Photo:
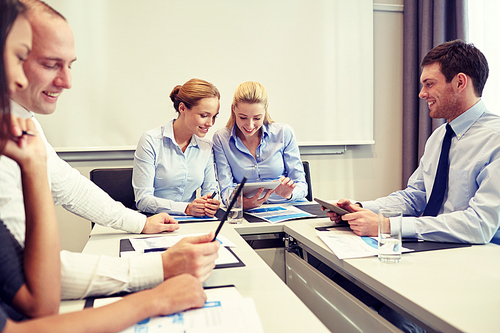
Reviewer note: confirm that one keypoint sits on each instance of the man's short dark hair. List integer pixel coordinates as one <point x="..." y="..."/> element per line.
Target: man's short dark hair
<point x="459" y="57"/>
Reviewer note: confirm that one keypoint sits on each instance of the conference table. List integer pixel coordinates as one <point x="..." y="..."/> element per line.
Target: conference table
<point x="449" y="290"/>
<point x="279" y="309"/>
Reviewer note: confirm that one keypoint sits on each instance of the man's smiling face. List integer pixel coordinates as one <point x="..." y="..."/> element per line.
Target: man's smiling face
<point x="48" y="67"/>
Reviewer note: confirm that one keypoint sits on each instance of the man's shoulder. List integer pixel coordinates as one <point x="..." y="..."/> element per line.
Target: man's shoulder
<point x="490" y="119"/>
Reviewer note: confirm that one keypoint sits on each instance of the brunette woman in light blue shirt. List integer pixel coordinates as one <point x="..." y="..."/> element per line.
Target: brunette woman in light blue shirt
<point x="255" y="146"/>
<point x="172" y="161"/>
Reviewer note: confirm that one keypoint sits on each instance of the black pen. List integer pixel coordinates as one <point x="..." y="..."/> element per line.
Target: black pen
<point x="213" y="194"/>
<point x="30" y="133"/>
<point x="155" y="249"/>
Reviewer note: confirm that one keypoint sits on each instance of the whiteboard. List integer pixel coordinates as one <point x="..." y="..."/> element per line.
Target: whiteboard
<point x="315" y="58"/>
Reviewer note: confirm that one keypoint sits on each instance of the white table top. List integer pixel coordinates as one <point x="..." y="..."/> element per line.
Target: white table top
<point x="453" y="290"/>
<point x="278" y="307"/>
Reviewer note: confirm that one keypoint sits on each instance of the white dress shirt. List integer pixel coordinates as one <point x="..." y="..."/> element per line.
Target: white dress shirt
<point x="82" y="275"/>
<point x="165" y="178"/>
<point x="471" y="211"/>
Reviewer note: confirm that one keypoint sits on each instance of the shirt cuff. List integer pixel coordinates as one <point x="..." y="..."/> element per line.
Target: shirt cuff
<point x="146" y="271"/>
<point x="408" y="227"/>
<point x="370" y="205"/>
<point x="134" y="222"/>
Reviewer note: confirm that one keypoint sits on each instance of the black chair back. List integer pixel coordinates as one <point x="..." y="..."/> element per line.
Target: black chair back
<point x="117" y="182"/>
<point x="307" y="171"/>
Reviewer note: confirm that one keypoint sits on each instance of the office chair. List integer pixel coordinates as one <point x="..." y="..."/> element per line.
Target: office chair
<point x="117" y="182"/>
<point x="307" y="171"/>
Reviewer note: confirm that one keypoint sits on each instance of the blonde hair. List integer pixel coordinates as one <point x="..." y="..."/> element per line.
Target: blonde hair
<point x="249" y="92"/>
<point x="191" y="92"/>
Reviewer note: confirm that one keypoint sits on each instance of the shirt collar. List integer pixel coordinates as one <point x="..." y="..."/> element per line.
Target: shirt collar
<point x="19" y="111"/>
<point x="462" y="123"/>
<point x="168" y="132"/>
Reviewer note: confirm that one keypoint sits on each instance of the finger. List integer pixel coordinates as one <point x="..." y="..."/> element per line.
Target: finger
<point x="18" y="125"/>
<point x="200" y="239"/>
<point x="171" y="220"/>
<point x="169" y="227"/>
<point x="210" y="212"/>
<point x="344" y="203"/>
<point x="215" y="202"/>
<point x="259" y="192"/>
<point x="268" y="194"/>
<point x="200" y="201"/>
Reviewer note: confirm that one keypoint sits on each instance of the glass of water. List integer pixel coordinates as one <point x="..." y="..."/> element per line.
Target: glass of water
<point x="235" y="216"/>
<point x="389" y="236"/>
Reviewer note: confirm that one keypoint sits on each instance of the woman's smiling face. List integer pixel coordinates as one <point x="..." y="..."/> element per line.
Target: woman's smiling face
<point x="249" y="118"/>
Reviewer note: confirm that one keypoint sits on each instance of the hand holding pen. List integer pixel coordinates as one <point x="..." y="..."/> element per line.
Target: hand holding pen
<point x="24" y="145"/>
<point x="206" y="205"/>
<point x="212" y="205"/>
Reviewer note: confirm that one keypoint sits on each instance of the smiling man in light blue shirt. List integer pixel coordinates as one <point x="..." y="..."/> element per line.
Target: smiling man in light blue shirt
<point x="453" y="77"/>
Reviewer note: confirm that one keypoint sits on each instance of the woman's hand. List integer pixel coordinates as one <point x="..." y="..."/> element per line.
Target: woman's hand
<point x="254" y="202"/>
<point x="25" y="145"/>
<point x="197" y="207"/>
<point x="211" y="206"/>
<point x="285" y="188"/>
<point x="203" y="206"/>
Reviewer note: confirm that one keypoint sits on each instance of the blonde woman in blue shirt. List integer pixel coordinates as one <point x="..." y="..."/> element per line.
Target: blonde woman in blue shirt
<point x="252" y="144"/>
<point x="172" y="161"/>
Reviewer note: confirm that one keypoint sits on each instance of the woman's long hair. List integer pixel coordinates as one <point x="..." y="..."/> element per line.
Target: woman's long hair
<point x="9" y="10"/>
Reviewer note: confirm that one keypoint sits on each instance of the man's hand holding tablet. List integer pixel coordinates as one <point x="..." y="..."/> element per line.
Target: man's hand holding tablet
<point x="335" y="212"/>
<point x="332" y="207"/>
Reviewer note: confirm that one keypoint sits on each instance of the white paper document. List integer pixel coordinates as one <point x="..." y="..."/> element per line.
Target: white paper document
<point x="142" y="245"/>
<point x="275" y="214"/>
<point x="224" y="311"/>
<point x="346" y="244"/>
<point x="155" y="242"/>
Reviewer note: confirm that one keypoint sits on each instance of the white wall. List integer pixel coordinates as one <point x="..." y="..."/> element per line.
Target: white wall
<point x="363" y="172"/>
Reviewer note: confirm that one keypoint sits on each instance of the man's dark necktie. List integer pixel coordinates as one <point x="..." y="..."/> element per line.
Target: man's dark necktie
<point x="441" y="180"/>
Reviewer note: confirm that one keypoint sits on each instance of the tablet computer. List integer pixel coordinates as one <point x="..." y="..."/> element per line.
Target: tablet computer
<point x="331" y="207"/>
<point x="251" y="189"/>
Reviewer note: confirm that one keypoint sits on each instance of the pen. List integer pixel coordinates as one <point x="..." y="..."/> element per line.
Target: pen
<point x="30" y="133"/>
<point x="155" y="249"/>
<point x="213" y="194"/>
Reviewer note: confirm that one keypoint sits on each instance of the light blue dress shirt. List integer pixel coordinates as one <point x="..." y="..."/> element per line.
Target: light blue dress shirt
<point x="277" y="155"/>
<point x="165" y="179"/>
<point x="471" y="207"/>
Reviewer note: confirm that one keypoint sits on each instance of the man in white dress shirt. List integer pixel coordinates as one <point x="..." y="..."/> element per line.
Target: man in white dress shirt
<point x="453" y="77"/>
<point x="48" y="69"/>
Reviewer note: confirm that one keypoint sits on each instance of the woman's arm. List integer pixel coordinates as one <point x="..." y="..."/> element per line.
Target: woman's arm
<point x="224" y="173"/>
<point x="41" y="292"/>
<point x="143" y="180"/>
<point x="176" y="294"/>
